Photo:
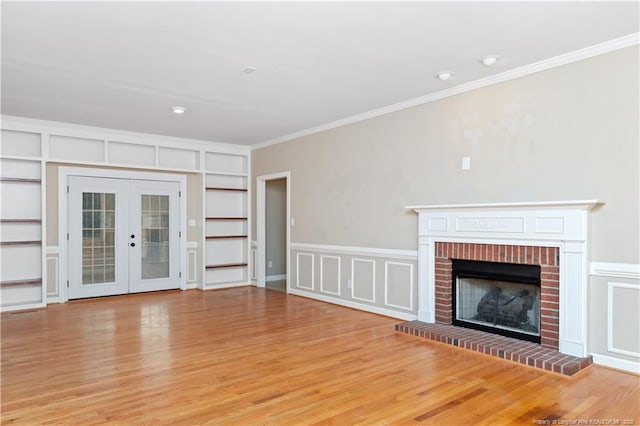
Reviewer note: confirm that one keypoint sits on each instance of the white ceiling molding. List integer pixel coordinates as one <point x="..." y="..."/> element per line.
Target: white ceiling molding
<point x="557" y="61"/>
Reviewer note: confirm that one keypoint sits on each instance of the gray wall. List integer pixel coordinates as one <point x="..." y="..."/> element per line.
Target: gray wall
<point x="276" y="222"/>
<point x="568" y="133"/>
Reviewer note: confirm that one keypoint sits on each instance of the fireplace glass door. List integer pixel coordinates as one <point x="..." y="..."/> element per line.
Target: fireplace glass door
<point x="500" y="298"/>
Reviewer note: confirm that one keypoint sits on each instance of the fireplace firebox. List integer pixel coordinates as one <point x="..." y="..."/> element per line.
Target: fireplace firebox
<point x="500" y="298"/>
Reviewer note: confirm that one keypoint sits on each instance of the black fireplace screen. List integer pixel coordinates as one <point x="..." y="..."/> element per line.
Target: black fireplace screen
<point x="497" y="297"/>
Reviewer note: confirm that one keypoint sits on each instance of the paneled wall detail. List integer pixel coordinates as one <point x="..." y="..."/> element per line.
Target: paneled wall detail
<point x="398" y="285"/>
<point x="305" y="276"/>
<point x="53" y="267"/>
<point x="623" y="308"/>
<point x="330" y="274"/>
<point x="370" y="279"/>
<point x="363" y="280"/>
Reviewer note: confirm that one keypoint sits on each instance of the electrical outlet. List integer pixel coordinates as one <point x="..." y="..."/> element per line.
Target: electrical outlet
<point x="349" y="284"/>
<point x="269" y="264"/>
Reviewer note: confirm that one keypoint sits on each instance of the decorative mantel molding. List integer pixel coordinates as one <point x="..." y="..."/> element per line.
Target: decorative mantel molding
<point x="562" y="224"/>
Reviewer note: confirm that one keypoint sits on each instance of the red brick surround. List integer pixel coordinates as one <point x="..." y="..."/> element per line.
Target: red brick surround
<point x="546" y="257"/>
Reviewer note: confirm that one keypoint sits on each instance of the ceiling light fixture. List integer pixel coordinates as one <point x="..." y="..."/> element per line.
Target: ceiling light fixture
<point x="248" y="70"/>
<point x="444" y="75"/>
<point x="178" y="109"/>
<point x="487" y="61"/>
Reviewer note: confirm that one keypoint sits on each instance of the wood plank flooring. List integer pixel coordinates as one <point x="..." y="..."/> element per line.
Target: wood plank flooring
<point x="249" y="356"/>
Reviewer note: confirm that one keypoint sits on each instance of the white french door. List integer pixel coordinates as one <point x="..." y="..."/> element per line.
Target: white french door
<point x="123" y="236"/>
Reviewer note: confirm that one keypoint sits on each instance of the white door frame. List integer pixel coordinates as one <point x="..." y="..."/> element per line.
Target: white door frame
<point x="261" y="225"/>
<point x="63" y="175"/>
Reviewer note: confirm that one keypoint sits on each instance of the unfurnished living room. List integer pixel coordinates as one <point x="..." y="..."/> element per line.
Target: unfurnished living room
<point x="293" y="213"/>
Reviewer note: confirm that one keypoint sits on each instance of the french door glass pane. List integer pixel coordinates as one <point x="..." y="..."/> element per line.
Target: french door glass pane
<point x="155" y="236"/>
<point x="98" y="241"/>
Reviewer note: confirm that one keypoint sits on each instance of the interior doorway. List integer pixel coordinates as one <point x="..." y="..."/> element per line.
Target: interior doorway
<point x="276" y="234"/>
<point x="273" y="226"/>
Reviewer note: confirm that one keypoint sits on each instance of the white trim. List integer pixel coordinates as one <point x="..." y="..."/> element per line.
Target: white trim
<point x="59" y="128"/>
<point x="53" y="299"/>
<point x="373" y="279"/>
<point x="610" y="311"/>
<point x="355" y="305"/>
<point x="278" y="277"/>
<point x="386" y="284"/>
<point x="24" y="306"/>
<point x="312" y="271"/>
<point x="546" y="64"/>
<point x="617" y="363"/>
<point x="56" y="266"/>
<point x="322" y="289"/>
<point x="261" y="199"/>
<point x="225" y="285"/>
<point x="52" y="250"/>
<point x="192" y="255"/>
<point x="615" y="270"/>
<point x="350" y="250"/>
<point x="63" y="175"/>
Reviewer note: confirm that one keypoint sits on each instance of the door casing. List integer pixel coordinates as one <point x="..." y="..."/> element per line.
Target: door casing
<point x="65" y="172"/>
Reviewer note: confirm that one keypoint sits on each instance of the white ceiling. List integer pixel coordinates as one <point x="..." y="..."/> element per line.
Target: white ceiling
<point x="124" y="65"/>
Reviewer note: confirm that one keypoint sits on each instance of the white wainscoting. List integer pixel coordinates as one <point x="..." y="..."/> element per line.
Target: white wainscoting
<point x="407" y="281"/>
<point x="620" y="317"/>
<point x="362" y="281"/>
<point x="53" y="268"/>
<point x="306" y="279"/>
<point x="192" y="264"/>
<point x="378" y="280"/>
<point x="327" y="286"/>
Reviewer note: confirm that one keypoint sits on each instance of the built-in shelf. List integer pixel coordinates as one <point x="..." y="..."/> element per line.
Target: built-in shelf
<point x="19" y="180"/>
<point x="220" y="237"/>
<point x="20" y="221"/>
<point x="218" y="188"/>
<point x="227" y="265"/>
<point x="16" y="283"/>
<point x="226" y="218"/>
<point x="20" y="243"/>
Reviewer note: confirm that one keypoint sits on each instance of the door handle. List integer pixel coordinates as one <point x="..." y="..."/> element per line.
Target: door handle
<point x="133" y="244"/>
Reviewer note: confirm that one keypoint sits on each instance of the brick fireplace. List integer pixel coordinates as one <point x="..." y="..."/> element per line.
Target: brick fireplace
<point x="553" y="235"/>
<point x="546" y="257"/>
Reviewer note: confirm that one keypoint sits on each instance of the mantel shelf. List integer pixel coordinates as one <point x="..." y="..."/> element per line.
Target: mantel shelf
<point x="576" y="204"/>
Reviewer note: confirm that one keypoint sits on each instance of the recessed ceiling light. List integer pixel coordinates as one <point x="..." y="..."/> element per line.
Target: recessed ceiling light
<point x="178" y="109"/>
<point x="248" y="70"/>
<point x="444" y="75"/>
<point x="487" y="61"/>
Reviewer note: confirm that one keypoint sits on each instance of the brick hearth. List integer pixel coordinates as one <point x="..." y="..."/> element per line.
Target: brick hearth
<point x="546" y="257"/>
<point x="515" y="350"/>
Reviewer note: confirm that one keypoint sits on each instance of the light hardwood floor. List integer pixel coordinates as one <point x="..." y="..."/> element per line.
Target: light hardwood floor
<point x="253" y="356"/>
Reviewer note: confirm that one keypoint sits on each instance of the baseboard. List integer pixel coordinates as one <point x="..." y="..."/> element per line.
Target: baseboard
<point x="279" y="277"/>
<point x="23" y="307"/>
<point x="191" y="286"/>
<point x="617" y="363"/>
<point x="354" y="305"/>
<point x="53" y="299"/>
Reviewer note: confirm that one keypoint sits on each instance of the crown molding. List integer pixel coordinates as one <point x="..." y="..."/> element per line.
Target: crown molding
<point x="546" y="64"/>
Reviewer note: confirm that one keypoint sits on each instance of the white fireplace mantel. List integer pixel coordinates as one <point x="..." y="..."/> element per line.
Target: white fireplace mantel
<point x="562" y="224"/>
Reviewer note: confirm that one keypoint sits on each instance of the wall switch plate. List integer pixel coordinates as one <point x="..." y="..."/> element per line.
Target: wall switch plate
<point x="293" y="222"/>
<point x="192" y="223"/>
<point x="269" y="264"/>
<point x="466" y="163"/>
<point x="349" y="284"/>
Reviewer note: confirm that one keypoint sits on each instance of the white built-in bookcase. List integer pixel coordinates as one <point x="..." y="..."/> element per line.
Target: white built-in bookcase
<point x="226" y="213"/>
<point x="30" y="272"/>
